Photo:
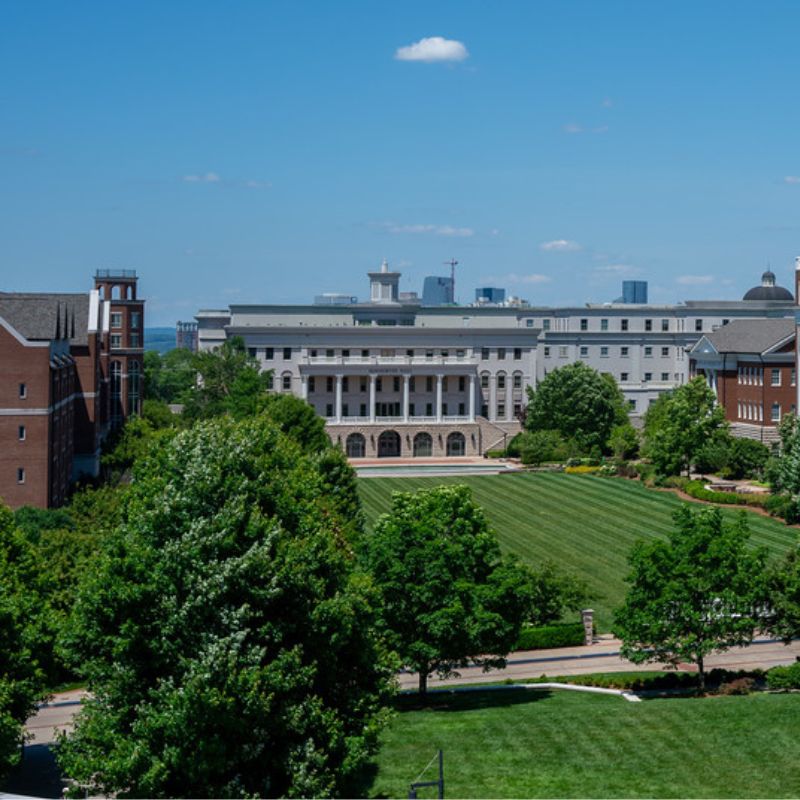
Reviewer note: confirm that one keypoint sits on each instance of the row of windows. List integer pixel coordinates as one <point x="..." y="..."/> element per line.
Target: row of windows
<point x="624" y="352"/>
<point x="486" y="353"/>
<point x="754" y="412"/>
<point x="393" y="409"/>
<point x="449" y="383"/>
<point x="754" y="376"/>
<point x="624" y="324"/>
<point x="134" y="340"/>
<point x="116" y="319"/>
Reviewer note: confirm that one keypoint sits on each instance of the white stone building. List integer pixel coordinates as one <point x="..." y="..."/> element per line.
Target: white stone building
<point x="392" y="378"/>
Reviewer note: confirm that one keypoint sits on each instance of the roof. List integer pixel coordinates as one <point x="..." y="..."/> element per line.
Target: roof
<point x="768" y="293"/>
<point x="37" y="316"/>
<point x="751" y="335"/>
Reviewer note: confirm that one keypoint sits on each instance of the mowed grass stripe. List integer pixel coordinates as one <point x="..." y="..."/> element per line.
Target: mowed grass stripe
<point x="585" y="524"/>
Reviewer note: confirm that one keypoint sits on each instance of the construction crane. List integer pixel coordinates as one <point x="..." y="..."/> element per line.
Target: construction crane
<point x="453" y="264"/>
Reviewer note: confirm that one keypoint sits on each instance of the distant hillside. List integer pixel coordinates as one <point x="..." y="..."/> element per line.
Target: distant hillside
<point x="159" y="339"/>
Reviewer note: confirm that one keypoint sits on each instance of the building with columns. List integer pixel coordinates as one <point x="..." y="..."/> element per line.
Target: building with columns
<point x="396" y="378"/>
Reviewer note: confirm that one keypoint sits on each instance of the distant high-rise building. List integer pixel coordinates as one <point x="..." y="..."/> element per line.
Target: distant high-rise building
<point x="186" y="336"/>
<point x="634" y="291"/>
<point x="437" y="291"/>
<point x="490" y="295"/>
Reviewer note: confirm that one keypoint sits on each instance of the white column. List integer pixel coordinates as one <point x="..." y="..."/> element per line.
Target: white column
<point x="372" y="381"/>
<point x="304" y="386"/>
<point x="406" y="381"/>
<point x="472" y="398"/>
<point x="439" y="381"/>
<point x="492" y="397"/>
<point x="338" y="398"/>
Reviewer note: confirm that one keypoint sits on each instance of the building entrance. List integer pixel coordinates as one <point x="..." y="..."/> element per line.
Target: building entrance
<point x="389" y="444"/>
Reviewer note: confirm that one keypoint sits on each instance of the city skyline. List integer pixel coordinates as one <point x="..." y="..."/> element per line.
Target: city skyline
<point x="268" y="153"/>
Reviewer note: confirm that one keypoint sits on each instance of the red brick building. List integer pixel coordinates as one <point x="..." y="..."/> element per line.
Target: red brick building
<point x="62" y="365"/>
<point x="752" y="367"/>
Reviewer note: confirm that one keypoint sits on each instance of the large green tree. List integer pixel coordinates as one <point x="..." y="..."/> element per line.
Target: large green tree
<point x="700" y="591"/>
<point x="680" y="423"/>
<point x="448" y="597"/>
<point x="227" y="640"/>
<point x="25" y="638"/>
<point x="169" y="377"/>
<point x="579" y="403"/>
<point x="783" y="607"/>
<point x="784" y="474"/>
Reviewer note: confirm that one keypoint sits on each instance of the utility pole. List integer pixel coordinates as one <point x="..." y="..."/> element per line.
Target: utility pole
<point x="453" y="264"/>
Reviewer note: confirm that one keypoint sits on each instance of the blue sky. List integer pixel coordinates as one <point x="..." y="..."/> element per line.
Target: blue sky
<point x="268" y="151"/>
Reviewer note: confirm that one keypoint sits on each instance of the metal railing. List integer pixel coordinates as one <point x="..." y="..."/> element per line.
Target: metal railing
<point x="115" y="273"/>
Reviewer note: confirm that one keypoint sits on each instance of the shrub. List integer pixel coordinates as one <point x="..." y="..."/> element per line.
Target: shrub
<point x="673" y="482"/>
<point x="536" y="447"/>
<point x="547" y="636"/>
<point x="512" y="450"/>
<point x="713" y="456"/>
<point x="697" y="490"/>
<point x="624" y="441"/>
<point x="738" y="686"/>
<point x="747" y="458"/>
<point x="783" y="506"/>
<point x="582" y="469"/>
<point x="496" y="453"/>
<point x="663" y="681"/>
<point x="784" y="677"/>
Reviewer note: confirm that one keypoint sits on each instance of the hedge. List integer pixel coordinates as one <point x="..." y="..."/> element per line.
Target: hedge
<point x="495" y="453"/>
<point x="784" y="677"/>
<point x="661" y="681"/>
<point x="697" y="490"/>
<point x="569" y="634"/>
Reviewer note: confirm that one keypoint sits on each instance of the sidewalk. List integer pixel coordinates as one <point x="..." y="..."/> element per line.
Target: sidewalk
<point x="603" y="656"/>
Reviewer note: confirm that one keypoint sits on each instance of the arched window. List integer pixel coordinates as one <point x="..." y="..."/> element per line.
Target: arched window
<point x="356" y="446"/>
<point x="501" y="380"/>
<point x="287" y="381"/>
<point x="456" y="444"/>
<point x="423" y="445"/>
<point x="389" y="444"/>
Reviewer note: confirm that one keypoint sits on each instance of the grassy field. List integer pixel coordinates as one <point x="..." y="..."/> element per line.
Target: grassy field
<point x="585" y="524"/>
<point x="560" y="744"/>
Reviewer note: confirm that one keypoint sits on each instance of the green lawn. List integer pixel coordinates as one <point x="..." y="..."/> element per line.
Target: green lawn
<point x="563" y="744"/>
<point x="585" y="524"/>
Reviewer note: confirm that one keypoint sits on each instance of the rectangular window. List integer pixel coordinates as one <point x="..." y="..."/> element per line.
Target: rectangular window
<point x="648" y="324"/>
<point x="623" y="324"/>
<point x="623" y="377"/>
<point x="461" y="410"/>
<point x="545" y="324"/>
<point x="698" y="326"/>
<point x="776" y="412"/>
<point x="501" y="381"/>
<point x="603" y="324"/>
<point x="311" y="384"/>
<point x="563" y="352"/>
<point x="412" y="384"/>
<point x="584" y="351"/>
<point x="345" y="384"/>
<point x="21" y="433"/>
<point x="116" y="319"/>
<point x="517" y="381"/>
<point x="20" y="475"/>
<point x="252" y="352"/>
<point x="485" y="380"/>
<point x="328" y="353"/>
<point x="517" y="410"/>
<point x="411" y="410"/>
<point x="429" y="355"/>
<point x="329" y="409"/>
<point x="547" y="352"/>
<point x="345" y="410"/>
<point x="345" y="353"/>
<point x="429" y="384"/>
<point x="776" y="377"/>
<point x="648" y="352"/>
<point x="501" y="410"/>
<point x="362" y="410"/>
<point x="528" y="323"/>
<point x="329" y="383"/>
<point x="365" y="354"/>
<point x="631" y="405"/>
<point x="428" y="409"/>
<point x="461" y="353"/>
<point x="664" y="325"/>
<point x="484" y="353"/>
<point x="378" y="384"/>
<point x="584" y="324"/>
<point x="135" y="339"/>
<point x="665" y="376"/>
<point x="362" y="385"/>
<point x="603" y="352"/>
<point x="665" y="352"/>
<point x="269" y="353"/>
<point x="501" y="353"/>
<point x="445" y="354"/>
<point x="136" y="319"/>
<point x="517" y="354"/>
<point x="287" y="353"/>
<point x="648" y="376"/>
<point x="484" y="410"/>
<point x="23" y="391"/>
<point x="623" y="351"/>
<point x="396" y="383"/>
<point x="462" y="383"/>
<point x="116" y="340"/>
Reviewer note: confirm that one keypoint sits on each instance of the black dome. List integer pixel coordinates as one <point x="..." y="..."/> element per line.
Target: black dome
<point x="768" y="290"/>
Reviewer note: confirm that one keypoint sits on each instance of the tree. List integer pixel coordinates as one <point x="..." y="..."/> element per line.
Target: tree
<point x="298" y="419"/>
<point x="783" y="616"/>
<point x="169" y="378"/>
<point x="554" y="593"/>
<point x="537" y="447"/>
<point x="579" y="403"/>
<point x="624" y="441"/>
<point x="680" y="423"/>
<point x="699" y="592"/>
<point x="747" y="458"/>
<point x="228" y="381"/>
<point x="447" y="596"/>
<point x="227" y="640"/>
<point x="23" y="638"/>
<point x="785" y="473"/>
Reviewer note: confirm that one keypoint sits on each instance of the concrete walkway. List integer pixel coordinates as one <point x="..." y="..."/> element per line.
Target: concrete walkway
<point x="603" y="656"/>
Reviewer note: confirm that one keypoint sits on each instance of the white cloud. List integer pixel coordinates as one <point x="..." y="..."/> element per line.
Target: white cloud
<point x="432" y="48"/>
<point x="560" y="245"/>
<point x="792" y="179"/>
<point x="573" y="127"/>
<point x="208" y="177"/>
<point x="694" y="280"/>
<point x="435" y="230"/>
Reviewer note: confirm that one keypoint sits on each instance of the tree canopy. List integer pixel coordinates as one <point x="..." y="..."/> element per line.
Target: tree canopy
<point x="447" y="596"/>
<point x="579" y="403"/>
<point x="699" y="592"/>
<point x="228" y="641"/>
<point x="169" y="377"/>
<point x="680" y="423"/>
